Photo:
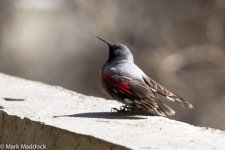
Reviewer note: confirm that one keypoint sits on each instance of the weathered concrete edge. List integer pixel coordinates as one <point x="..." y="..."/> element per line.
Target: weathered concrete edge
<point x="16" y="130"/>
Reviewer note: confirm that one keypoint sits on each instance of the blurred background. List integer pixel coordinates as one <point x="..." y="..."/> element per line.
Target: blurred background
<point x="178" y="43"/>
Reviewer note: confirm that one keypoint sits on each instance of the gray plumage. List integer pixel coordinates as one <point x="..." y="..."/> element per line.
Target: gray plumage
<point x="126" y="82"/>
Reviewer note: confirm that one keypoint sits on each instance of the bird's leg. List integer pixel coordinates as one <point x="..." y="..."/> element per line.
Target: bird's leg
<point x="115" y="110"/>
<point x="124" y="108"/>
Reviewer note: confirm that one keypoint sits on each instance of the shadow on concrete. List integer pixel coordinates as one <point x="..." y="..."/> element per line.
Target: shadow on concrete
<point x="111" y="115"/>
<point x="13" y="99"/>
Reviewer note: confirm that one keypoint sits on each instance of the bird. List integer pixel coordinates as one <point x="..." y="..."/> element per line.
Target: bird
<point x="125" y="82"/>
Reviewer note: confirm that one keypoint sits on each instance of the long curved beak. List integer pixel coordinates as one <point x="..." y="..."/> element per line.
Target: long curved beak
<point x="104" y="40"/>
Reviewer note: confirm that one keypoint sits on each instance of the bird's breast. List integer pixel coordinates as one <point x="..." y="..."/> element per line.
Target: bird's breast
<point x="123" y="69"/>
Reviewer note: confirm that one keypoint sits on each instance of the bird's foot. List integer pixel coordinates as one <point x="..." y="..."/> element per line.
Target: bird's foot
<point x="124" y="108"/>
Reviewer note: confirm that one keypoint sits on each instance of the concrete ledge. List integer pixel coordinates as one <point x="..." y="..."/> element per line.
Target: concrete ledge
<point x="15" y="131"/>
<point x="36" y="113"/>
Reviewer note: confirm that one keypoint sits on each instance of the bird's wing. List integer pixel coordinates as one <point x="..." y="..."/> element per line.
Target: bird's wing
<point x="157" y="88"/>
<point x="139" y="93"/>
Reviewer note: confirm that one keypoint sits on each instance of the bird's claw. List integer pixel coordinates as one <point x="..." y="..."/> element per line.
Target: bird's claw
<point x="124" y="108"/>
<point x="115" y="110"/>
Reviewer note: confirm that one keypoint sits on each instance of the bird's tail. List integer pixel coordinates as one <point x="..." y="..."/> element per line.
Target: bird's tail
<point x="164" y="110"/>
<point x="179" y="100"/>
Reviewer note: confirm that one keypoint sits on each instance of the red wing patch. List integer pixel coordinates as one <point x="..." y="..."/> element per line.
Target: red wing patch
<point x="113" y="83"/>
<point x="124" y="86"/>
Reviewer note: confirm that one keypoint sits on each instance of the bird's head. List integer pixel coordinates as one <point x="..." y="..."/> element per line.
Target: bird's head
<point x="118" y="52"/>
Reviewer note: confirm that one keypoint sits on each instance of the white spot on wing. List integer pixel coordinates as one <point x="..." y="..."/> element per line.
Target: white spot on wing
<point x="153" y="89"/>
<point x="115" y="91"/>
<point x="170" y="98"/>
<point x="128" y="101"/>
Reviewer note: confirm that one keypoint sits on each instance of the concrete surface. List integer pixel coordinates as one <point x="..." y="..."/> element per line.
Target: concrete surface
<point x="36" y="113"/>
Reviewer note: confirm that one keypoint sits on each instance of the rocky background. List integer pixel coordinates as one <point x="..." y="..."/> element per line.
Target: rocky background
<point x="179" y="43"/>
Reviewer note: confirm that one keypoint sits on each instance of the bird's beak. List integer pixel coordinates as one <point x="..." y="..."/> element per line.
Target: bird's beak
<point x="104" y="40"/>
